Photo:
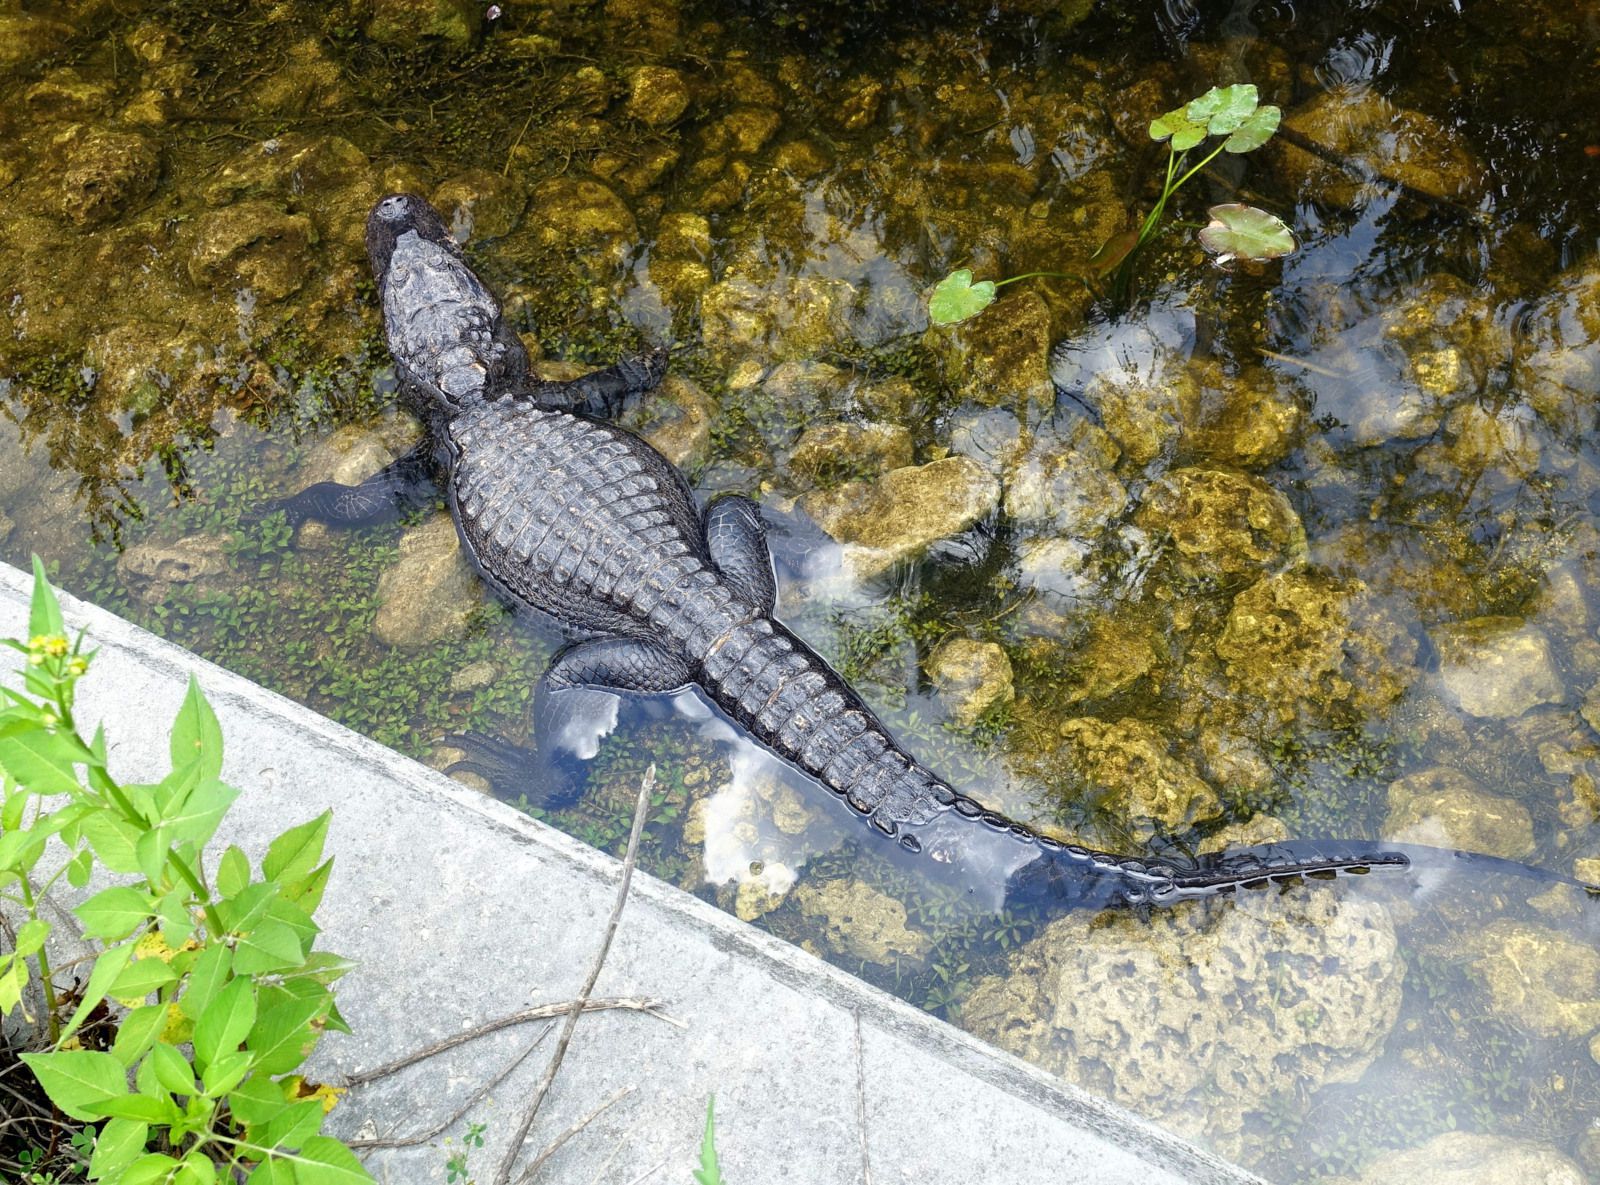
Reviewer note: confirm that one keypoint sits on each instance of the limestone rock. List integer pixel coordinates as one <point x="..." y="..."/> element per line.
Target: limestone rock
<point x="1497" y="667"/>
<point x="479" y="204"/>
<point x="970" y="677"/>
<point x="675" y="418"/>
<point x="1063" y="485"/>
<point x="416" y="23"/>
<point x="657" y="96"/>
<point x="1472" y="1158"/>
<point x="253" y="245"/>
<point x="1538" y="979"/>
<point x="792" y="317"/>
<point x="1251" y="419"/>
<point x="1447" y="809"/>
<point x="25" y="37"/>
<point x="581" y="216"/>
<point x="1222" y="524"/>
<point x="1002" y="357"/>
<point x="1557" y="364"/>
<point x="1131" y="767"/>
<point x="827" y="452"/>
<point x="901" y="513"/>
<point x="1200" y="1016"/>
<point x="152" y="569"/>
<point x="100" y="173"/>
<point x="430" y="593"/>
<point x="990" y="436"/>
<point x="859" y="921"/>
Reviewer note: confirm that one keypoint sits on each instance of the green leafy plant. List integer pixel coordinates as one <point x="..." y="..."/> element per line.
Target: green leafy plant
<point x="709" y="1173"/>
<point x="1235" y="117"/>
<point x="224" y="996"/>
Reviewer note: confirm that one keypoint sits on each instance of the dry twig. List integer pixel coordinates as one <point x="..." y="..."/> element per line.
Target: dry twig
<point x="538" y="1161"/>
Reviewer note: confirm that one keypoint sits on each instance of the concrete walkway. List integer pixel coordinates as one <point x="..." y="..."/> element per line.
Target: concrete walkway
<point x="459" y="909"/>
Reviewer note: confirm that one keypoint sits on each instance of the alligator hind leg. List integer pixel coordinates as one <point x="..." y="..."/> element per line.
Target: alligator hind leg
<point x="405" y="483"/>
<point x="601" y="391"/>
<point x="574" y="705"/>
<point x="738" y="545"/>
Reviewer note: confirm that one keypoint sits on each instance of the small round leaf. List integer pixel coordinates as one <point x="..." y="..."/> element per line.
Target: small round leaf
<point x="1255" y="131"/>
<point x="956" y="298"/>
<point x="1222" y="109"/>
<point x="1243" y="232"/>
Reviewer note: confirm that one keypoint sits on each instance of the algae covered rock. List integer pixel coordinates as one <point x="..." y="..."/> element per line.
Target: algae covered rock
<point x="861" y="922"/>
<point x="254" y="245"/>
<point x="153" y="569"/>
<point x="676" y="419"/>
<point x="1002" y="357"/>
<point x="900" y="514"/>
<point x="657" y="96"/>
<point x="1063" y="484"/>
<point x="479" y="204"/>
<point x="970" y="677"/>
<point x="1557" y="366"/>
<point x="1473" y="1158"/>
<point x="1540" y="980"/>
<point x="415" y="23"/>
<point x="431" y="592"/>
<point x="580" y="216"/>
<point x="100" y="173"/>
<point x="28" y="37"/>
<point x="1447" y="809"/>
<point x="1200" y="1016"/>
<point x="830" y="451"/>
<point x="1222" y="524"/>
<point x="1497" y="667"/>
<point x="1134" y="773"/>
<point x="790" y="317"/>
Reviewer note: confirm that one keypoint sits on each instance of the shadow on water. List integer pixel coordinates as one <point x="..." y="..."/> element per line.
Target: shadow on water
<point x="1304" y="552"/>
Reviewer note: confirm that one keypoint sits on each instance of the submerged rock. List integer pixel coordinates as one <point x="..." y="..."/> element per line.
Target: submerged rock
<point x="1447" y="809"/>
<point x="1063" y="484"/>
<point x="1222" y="524"/>
<point x="1133" y="772"/>
<point x="970" y="677"/>
<point x="1473" y="1158"/>
<point x="1557" y="366"/>
<point x="1538" y="979"/>
<point x="415" y="23"/>
<point x="676" y="419"/>
<point x="579" y="216"/>
<point x="430" y="593"/>
<point x="827" y="452"/>
<point x="900" y="514"/>
<point x="1002" y="357"/>
<point x="153" y="569"/>
<point x="860" y="921"/>
<point x="1201" y="1015"/>
<point x="657" y="96"/>
<point x="100" y="173"/>
<point x="479" y="204"/>
<point x="254" y="245"/>
<point x="1497" y="667"/>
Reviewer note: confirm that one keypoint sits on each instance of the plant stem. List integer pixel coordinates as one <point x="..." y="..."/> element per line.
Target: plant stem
<point x="197" y="887"/>
<point x="1031" y="275"/>
<point x="46" y="984"/>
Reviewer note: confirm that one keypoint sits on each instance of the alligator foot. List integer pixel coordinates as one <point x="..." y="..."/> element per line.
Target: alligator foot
<point x="601" y="392"/>
<point x="404" y="484"/>
<point x="514" y="771"/>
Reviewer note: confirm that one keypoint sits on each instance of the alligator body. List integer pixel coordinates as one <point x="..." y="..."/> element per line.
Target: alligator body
<point x="586" y="522"/>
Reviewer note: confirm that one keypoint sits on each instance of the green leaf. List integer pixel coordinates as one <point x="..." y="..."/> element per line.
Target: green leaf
<point x="197" y="1169"/>
<point x="44" y="615"/>
<point x="297" y="851"/>
<point x="43" y="761"/>
<point x="307" y="892"/>
<point x="107" y="967"/>
<point x="79" y="1080"/>
<point x="1244" y="232"/>
<point x="140" y="978"/>
<point x="196" y="735"/>
<point x="30" y="936"/>
<point x="233" y="871"/>
<point x="256" y="1101"/>
<point x="225" y="1073"/>
<point x="1255" y="131"/>
<point x="148" y="1170"/>
<point x="117" y="1143"/>
<point x="203" y="807"/>
<point x="956" y="298"/>
<point x="225" y="1023"/>
<point x="79" y="868"/>
<point x="293" y="1126"/>
<point x="177" y="925"/>
<point x="331" y="1163"/>
<point x="172" y="1069"/>
<point x="245" y="910"/>
<point x="271" y="946"/>
<point x="210" y="971"/>
<point x="1173" y="124"/>
<point x="151" y="849"/>
<point x="709" y="1173"/>
<point x="273" y="1171"/>
<point x="1222" y="109"/>
<point x="143" y="1108"/>
<point x="112" y="839"/>
<point x="114" y="913"/>
<point x="13" y="978"/>
<point x="138" y="1032"/>
<point x="285" y="1034"/>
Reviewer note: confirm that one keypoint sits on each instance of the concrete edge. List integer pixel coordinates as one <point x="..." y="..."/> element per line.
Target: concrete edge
<point x="786" y="962"/>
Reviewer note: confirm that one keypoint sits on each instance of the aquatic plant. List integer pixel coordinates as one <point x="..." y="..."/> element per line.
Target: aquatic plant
<point x="1235" y="232"/>
<point x="240" y="999"/>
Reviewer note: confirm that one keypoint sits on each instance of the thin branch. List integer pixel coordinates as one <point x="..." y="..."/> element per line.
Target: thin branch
<point x="641" y="808"/>
<point x="527" y="1015"/>
<point x="647" y="1174"/>
<point x="477" y="1097"/>
<point x="538" y="1161"/>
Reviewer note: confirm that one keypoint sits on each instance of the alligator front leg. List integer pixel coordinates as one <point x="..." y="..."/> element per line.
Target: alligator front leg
<point x="574" y="706"/>
<point x="404" y="484"/>
<point x="601" y="392"/>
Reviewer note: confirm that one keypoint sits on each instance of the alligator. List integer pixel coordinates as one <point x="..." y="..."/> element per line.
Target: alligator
<point x="565" y="513"/>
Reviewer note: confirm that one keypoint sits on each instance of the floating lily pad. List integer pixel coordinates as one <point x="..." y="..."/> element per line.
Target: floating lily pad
<point x="1254" y="131"/>
<point x="956" y="297"/>
<point x="1223" y="108"/>
<point x="1243" y="232"/>
<point x="1179" y="128"/>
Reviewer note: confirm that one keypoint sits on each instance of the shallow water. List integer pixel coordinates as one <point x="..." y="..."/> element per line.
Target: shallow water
<point x="1309" y="551"/>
